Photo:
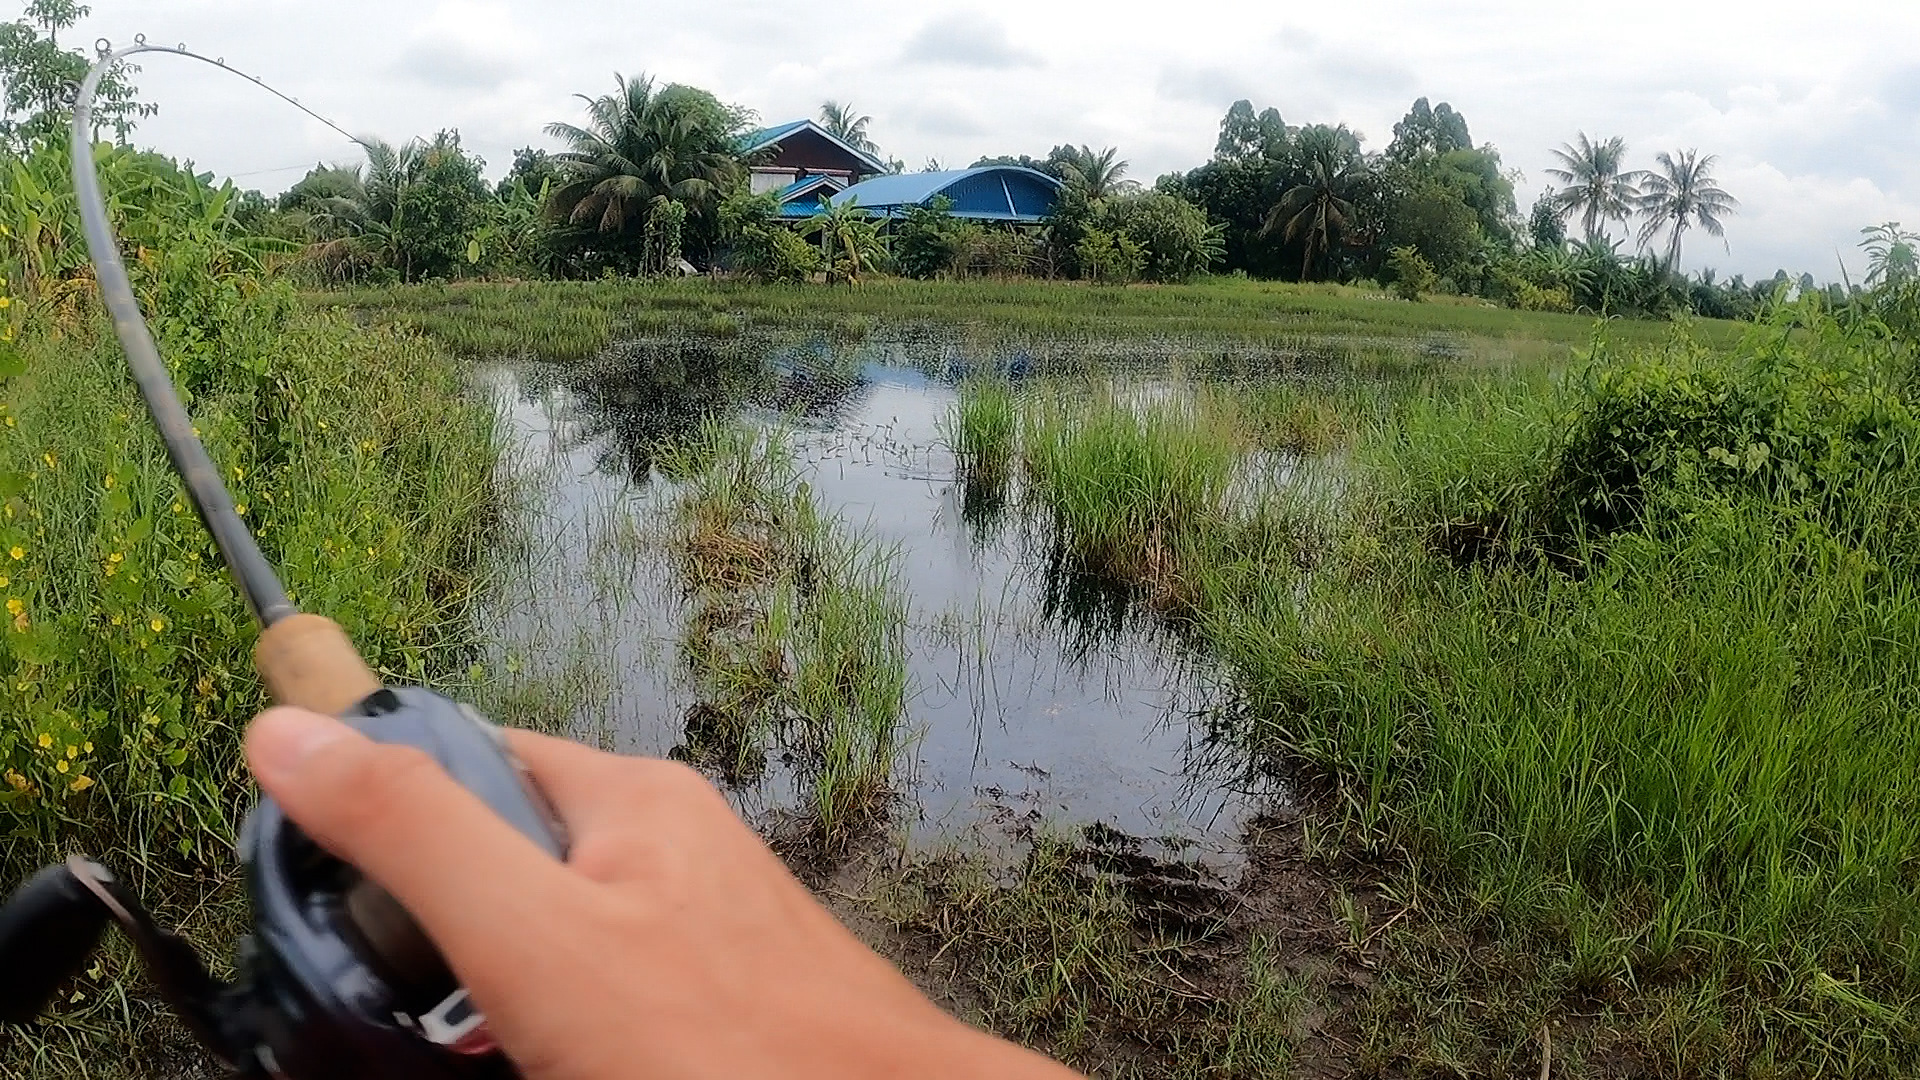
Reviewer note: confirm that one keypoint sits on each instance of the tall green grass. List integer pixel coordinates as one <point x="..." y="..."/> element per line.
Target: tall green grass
<point x="569" y="320"/>
<point x="126" y="674"/>
<point x="797" y="635"/>
<point x="1127" y="480"/>
<point x="983" y="431"/>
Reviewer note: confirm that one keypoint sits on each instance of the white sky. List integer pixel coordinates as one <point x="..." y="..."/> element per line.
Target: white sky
<point x="1813" y="108"/>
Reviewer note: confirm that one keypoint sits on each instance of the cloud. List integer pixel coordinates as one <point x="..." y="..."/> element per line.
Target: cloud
<point x="1205" y="84"/>
<point x="967" y="41"/>
<point x="945" y="117"/>
<point x="456" y="65"/>
<point x="465" y="45"/>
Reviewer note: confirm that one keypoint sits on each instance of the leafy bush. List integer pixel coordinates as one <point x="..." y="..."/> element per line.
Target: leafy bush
<point x="1793" y="418"/>
<point x="1108" y="258"/>
<point x="763" y="247"/>
<point x="1173" y="235"/>
<point x="1413" y="275"/>
<point x="930" y="241"/>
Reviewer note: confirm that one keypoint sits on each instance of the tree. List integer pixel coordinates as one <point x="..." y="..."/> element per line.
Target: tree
<point x="1893" y="256"/>
<point x="1245" y="136"/>
<point x="532" y="169"/>
<point x="1427" y="131"/>
<point x="1598" y="191"/>
<point x="1099" y="173"/>
<point x="1680" y="194"/>
<point x="414" y="209"/>
<point x="1320" y="208"/>
<point x="1544" y="223"/>
<point x="848" y="126"/>
<point x="641" y="144"/>
<point x="37" y="71"/>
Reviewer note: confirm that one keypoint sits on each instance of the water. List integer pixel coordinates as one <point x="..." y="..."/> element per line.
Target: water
<point x="1036" y="700"/>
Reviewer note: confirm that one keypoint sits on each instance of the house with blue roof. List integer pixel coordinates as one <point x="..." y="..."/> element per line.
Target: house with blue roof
<point x="802" y="164"/>
<point x="1001" y="193"/>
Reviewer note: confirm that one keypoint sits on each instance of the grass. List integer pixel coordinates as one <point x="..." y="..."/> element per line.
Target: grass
<point x="572" y="320"/>
<point x="367" y="475"/>
<point x="1672" y="760"/>
<point x="983" y="430"/>
<point x="797" y="632"/>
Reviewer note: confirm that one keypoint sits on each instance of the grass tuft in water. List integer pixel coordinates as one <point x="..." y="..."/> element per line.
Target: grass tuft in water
<point x="798" y="632"/>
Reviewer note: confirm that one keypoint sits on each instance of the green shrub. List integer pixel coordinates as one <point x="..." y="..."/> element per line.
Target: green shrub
<point x="126" y="661"/>
<point x="1413" y="275"/>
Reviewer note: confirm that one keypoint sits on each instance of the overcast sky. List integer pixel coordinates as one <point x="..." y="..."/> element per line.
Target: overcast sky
<point x="1813" y="108"/>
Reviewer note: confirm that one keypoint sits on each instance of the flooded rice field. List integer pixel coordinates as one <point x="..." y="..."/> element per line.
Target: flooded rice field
<point x="1037" y="698"/>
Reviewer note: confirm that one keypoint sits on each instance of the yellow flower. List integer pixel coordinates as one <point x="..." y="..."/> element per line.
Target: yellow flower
<point x="15" y="605"/>
<point x="72" y="751"/>
<point x="177" y="508"/>
<point x="46" y="740"/>
<point x="5" y="302"/>
<point x="18" y="552"/>
<point x="239" y="473"/>
<point x="80" y="783"/>
<point x="158" y="624"/>
<point x="5" y="581"/>
<point x="52" y="462"/>
<point x="118" y="621"/>
<point x="241" y="509"/>
<point x="116" y="557"/>
<point x="87" y="746"/>
<point x="109" y="481"/>
<point x="61" y="766"/>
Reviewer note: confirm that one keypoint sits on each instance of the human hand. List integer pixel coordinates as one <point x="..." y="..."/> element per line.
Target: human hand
<point x="672" y="944"/>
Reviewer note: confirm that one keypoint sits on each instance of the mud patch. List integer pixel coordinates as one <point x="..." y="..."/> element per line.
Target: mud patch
<point x="1122" y="962"/>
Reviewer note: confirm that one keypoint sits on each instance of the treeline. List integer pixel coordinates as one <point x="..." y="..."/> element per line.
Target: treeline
<point x="653" y="180"/>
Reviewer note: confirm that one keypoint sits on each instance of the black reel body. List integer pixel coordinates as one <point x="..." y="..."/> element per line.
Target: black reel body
<point x="337" y="980"/>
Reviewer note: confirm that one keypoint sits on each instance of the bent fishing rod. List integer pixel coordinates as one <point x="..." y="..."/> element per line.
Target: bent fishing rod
<point x="337" y="979"/>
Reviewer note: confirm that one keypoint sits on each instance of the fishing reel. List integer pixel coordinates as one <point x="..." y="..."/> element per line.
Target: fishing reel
<point x="336" y="980"/>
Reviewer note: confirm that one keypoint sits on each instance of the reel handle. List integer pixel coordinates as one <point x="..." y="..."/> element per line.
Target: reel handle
<point x="307" y="661"/>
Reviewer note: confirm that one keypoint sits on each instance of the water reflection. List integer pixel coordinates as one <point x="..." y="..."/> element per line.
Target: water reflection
<point x="1040" y="693"/>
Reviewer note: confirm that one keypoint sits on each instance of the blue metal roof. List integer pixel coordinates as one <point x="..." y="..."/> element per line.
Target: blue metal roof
<point x="767" y="136"/>
<point x="989" y="193"/>
<point x="802" y="198"/>
<point x="808" y="183"/>
<point x="754" y="140"/>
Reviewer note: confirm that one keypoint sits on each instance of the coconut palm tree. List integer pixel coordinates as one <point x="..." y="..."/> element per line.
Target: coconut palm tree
<point x="850" y="127"/>
<point x="1320" y="208"/>
<point x="1681" y="194"/>
<point x="1098" y="173"/>
<point x="641" y="144"/>
<point x="1597" y="190"/>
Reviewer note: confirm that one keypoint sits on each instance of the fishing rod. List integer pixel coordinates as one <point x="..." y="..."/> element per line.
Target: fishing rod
<point x="337" y="979"/>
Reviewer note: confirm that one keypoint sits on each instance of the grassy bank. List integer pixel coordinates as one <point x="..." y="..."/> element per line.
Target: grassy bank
<point x="366" y="472"/>
<point x="1617" y="669"/>
<point x="569" y="320"/>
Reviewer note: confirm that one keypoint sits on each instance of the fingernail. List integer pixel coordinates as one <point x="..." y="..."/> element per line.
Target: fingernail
<point x="281" y="739"/>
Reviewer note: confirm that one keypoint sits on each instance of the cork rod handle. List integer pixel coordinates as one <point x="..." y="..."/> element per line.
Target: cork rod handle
<point x="308" y="661"/>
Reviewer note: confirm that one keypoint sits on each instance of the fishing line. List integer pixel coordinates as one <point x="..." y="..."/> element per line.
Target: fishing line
<point x="254" y="575"/>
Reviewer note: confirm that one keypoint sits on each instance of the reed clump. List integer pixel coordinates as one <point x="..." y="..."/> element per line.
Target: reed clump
<point x="798" y="631"/>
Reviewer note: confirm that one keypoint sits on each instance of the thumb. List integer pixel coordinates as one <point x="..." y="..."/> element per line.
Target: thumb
<point x="394" y="813"/>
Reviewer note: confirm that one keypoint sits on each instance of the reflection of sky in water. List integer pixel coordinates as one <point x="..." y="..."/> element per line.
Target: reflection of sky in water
<point x="1018" y="719"/>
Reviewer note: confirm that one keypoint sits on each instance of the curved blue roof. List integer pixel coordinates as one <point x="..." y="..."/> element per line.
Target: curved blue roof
<point x="988" y="193"/>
